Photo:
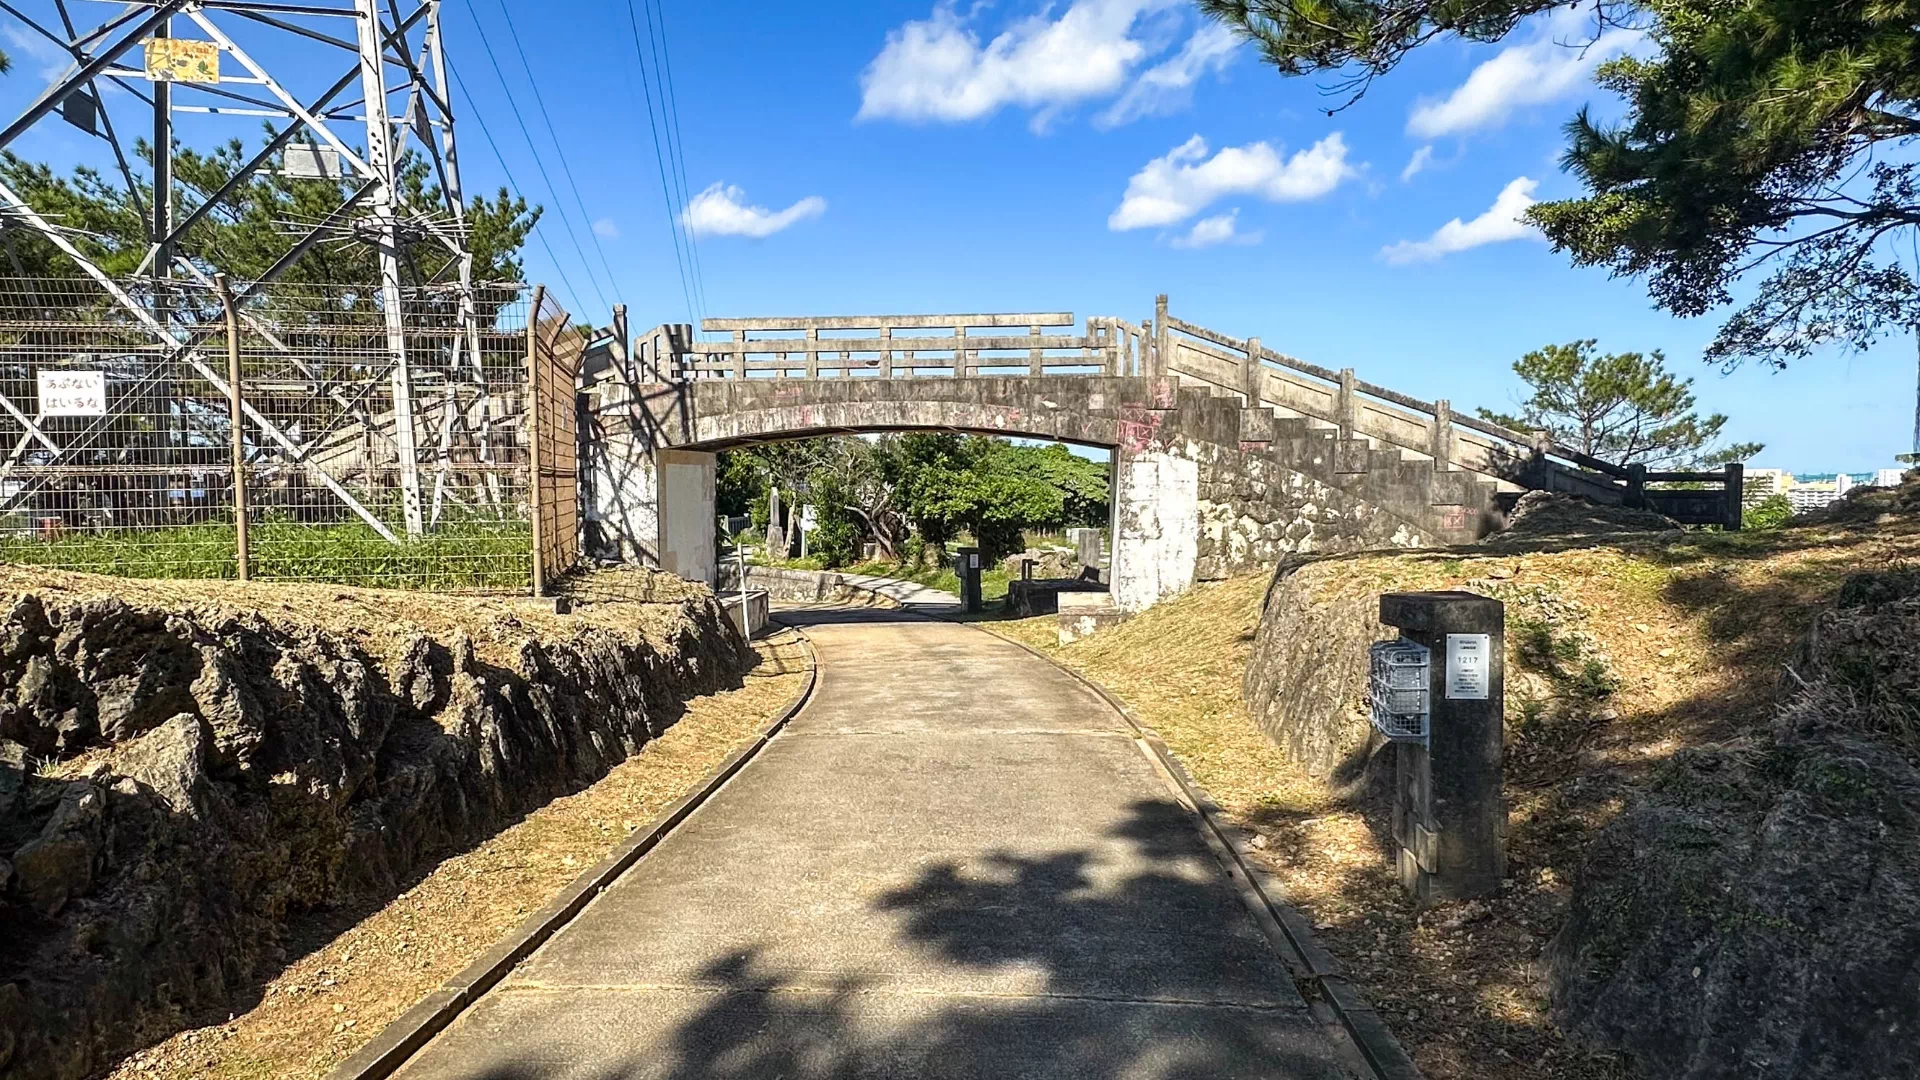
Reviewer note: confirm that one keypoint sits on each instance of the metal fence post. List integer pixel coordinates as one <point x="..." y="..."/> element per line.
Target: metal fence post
<point x="236" y="419"/>
<point x="533" y="437"/>
<point x="626" y="342"/>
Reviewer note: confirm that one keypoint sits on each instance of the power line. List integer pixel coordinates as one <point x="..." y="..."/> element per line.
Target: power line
<point x="566" y="170"/>
<point x="538" y="163"/>
<point x="674" y="215"/>
<point x="573" y="296"/>
<point x="677" y="144"/>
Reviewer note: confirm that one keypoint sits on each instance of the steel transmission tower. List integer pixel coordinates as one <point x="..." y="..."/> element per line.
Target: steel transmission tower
<point x="191" y="60"/>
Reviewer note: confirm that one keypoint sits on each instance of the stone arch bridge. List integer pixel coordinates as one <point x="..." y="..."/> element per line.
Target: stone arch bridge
<point x="1226" y="455"/>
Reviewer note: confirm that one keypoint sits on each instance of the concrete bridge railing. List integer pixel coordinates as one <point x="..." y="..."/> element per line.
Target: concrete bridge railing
<point x="1227" y="455"/>
<point x="909" y="346"/>
<point x="1431" y="429"/>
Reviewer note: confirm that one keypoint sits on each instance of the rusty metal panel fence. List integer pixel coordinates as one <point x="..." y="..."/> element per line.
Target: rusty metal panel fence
<point x="554" y="349"/>
<point x="376" y="450"/>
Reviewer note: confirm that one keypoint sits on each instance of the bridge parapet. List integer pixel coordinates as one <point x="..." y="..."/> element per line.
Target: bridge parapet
<point x="908" y="346"/>
<point x="1431" y="429"/>
<point x="1227" y="455"/>
<point x="1046" y="343"/>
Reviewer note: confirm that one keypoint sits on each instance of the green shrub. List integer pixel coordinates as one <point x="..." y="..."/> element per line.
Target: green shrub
<point x="1769" y="513"/>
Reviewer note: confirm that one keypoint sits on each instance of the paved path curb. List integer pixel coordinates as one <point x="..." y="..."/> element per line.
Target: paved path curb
<point x="1288" y="929"/>
<point x="404" y="1037"/>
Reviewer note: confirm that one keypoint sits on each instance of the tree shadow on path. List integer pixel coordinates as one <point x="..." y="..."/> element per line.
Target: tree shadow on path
<point x="1129" y="960"/>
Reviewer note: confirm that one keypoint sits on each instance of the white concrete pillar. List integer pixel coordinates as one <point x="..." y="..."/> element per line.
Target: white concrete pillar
<point x="686" y="513"/>
<point x="653" y="509"/>
<point x="1156" y="530"/>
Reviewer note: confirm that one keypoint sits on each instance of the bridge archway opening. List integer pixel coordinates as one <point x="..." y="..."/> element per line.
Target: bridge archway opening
<point x="693" y="498"/>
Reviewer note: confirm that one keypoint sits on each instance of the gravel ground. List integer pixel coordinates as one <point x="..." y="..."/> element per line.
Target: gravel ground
<point x="354" y="973"/>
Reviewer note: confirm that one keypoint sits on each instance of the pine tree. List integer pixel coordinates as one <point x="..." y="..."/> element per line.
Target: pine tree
<point x="1763" y="136"/>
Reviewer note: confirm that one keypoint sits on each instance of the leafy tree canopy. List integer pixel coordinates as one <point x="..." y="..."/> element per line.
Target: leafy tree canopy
<point x="1626" y="408"/>
<point x="933" y="484"/>
<point x="1762" y="136"/>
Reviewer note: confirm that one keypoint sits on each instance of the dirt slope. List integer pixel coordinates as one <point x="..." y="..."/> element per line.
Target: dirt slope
<point x="1633" y="666"/>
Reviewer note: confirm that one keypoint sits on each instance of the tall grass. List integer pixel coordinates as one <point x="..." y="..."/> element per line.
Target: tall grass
<point x="473" y="554"/>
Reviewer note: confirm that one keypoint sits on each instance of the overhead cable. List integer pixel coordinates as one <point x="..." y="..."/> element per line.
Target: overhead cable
<point x="552" y="190"/>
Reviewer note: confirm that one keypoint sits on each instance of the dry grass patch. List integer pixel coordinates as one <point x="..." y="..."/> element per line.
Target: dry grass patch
<point x="1638" y="650"/>
<point x="383" y="620"/>
<point x="352" y="981"/>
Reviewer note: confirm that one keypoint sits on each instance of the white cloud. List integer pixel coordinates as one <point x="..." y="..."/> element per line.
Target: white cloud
<point x="1179" y="185"/>
<point x="720" y="210"/>
<point x="937" y="69"/>
<point x="606" y="227"/>
<point x="1219" y="229"/>
<point x="1501" y="222"/>
<point x="1168" y="86"/>
<point x="1418" y="163"/>
<point x="53" y="61"/>
<point x="1534" y="73"/>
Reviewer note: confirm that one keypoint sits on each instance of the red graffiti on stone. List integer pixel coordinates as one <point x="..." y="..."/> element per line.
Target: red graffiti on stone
<point x="1454" y="517"/>
<point x="1164" y="392"/>
<point x="1137" y="429"/>
<point x="1253" y="445"/>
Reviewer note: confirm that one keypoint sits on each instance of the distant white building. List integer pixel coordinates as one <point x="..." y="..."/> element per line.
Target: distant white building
<point x="1764" y="484"/>
<point x="1805" y="495"/>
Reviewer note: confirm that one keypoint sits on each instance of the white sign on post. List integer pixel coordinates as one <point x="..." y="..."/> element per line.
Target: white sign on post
<point x="66" y="392"/>
<point x="1468" y="666"/>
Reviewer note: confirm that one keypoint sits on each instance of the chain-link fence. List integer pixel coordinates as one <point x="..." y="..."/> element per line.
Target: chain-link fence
<point x="380" y="446"/>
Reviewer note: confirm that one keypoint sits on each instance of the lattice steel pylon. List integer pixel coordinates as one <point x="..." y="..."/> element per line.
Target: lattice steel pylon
<point x="399" y="60"/>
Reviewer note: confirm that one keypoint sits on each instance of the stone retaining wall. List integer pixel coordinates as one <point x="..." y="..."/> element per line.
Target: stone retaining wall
<point x="176" y="782"/>
<point x="805" y="586"/>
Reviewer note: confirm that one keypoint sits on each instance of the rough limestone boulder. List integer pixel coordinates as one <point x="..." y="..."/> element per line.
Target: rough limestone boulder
<point x="1046" y="564"/>
<point x="1306" y="680"/>
<point x="175" y="783"/>
<point x="1758" y="914"/>
<point x="1758" y="918"/>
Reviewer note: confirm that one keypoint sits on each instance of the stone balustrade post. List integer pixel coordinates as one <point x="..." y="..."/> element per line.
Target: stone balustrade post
<point x="1442" y="444"/>
<point x="1253" y="376"/>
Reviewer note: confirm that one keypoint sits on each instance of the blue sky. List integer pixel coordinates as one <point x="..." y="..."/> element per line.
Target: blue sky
<point x="1085" y="155"/>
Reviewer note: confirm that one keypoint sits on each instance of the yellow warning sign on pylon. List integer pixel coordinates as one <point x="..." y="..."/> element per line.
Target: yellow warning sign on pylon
<point x="182" y="60"/>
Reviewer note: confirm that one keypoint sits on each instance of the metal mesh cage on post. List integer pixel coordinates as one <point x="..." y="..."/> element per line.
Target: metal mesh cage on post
<point x="1398" y="689"/>
<point x="119" y="445"/>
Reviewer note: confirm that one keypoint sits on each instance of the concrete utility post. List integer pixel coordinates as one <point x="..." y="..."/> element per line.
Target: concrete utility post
<point x="966" y="565"/>
<point x="1449" y="815"/>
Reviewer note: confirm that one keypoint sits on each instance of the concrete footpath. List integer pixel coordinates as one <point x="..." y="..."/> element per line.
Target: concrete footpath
<point x="955" y="862"/>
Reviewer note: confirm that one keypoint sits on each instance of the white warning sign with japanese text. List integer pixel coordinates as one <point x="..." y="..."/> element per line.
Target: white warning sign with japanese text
<point x="66" y="392"/>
